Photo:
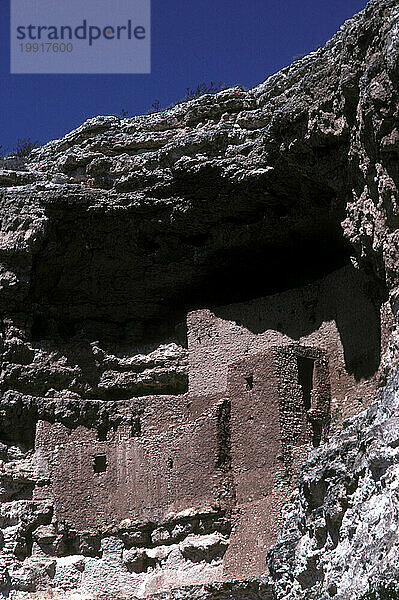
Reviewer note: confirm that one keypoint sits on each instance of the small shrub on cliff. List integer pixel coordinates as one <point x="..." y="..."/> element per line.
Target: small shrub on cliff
<point x="155" y="107"/>
<point x="25" y="147"/>
<point x="203" y="88"/>
<point x="191" y="94"/>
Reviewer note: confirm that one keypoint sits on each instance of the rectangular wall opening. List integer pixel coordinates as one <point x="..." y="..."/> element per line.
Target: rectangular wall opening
<point x="100" y="463"/>
<point x="249" y="382"/>
<point x="305" y="379"/>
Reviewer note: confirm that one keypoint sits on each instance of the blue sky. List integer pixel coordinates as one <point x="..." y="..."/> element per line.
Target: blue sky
<point x="193" y="41"/>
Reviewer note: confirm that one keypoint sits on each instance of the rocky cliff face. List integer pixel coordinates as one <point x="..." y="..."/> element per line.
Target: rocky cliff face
<point x="340" y="538"/>
<point x="110" y="235"/>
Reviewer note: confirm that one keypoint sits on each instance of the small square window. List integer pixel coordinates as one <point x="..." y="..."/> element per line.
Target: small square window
<point x="100" y="463"/>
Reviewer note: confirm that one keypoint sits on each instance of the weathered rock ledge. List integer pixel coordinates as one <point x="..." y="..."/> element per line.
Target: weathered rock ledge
<point x="110" y="236"/>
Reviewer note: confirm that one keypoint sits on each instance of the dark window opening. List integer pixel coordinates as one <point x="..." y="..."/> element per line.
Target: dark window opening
<point x="317" y="433"/>
<point x="100" y="464"/>
<point x="305" y="379"/>
<point x="135" y="430"/>
<point x="250" y="382"/>
<point x="102" y="433"/>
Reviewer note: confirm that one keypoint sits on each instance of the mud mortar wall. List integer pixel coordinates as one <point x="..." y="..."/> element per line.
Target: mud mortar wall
<point x="336" y="314"/>
<point x="131" y="464"/>
<point x="145" y="478"/>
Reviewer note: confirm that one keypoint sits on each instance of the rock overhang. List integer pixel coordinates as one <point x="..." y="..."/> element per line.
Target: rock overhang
<point x="112" y="234"/>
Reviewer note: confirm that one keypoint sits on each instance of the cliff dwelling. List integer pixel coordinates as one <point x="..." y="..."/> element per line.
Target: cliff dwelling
<point x="197" y="321"/>
<point x="168" y="393"/>
<point x="206" y="435"/>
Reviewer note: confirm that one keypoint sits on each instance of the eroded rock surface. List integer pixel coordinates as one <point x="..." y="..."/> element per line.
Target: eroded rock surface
<point x="340" y="538"/>
<point x="131" y="463"/>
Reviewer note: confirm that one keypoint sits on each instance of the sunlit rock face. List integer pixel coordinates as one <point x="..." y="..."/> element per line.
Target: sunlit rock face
<point x="190" y="302"/>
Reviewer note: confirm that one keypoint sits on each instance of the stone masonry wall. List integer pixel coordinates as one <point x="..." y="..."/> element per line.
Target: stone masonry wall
<point x="337" y="314"/>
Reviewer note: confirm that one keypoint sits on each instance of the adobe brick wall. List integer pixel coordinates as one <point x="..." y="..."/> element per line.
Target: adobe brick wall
<point x="149" y="477"/>
<point x="336" y="314"/>
<point x="242" y="459"/>
<point x="271" y="429"/>
<point x="268" y="379"/>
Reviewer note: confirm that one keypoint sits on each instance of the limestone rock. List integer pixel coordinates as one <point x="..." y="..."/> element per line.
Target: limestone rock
<point x="340" y="537"/>
<point x="144" y="453"/>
